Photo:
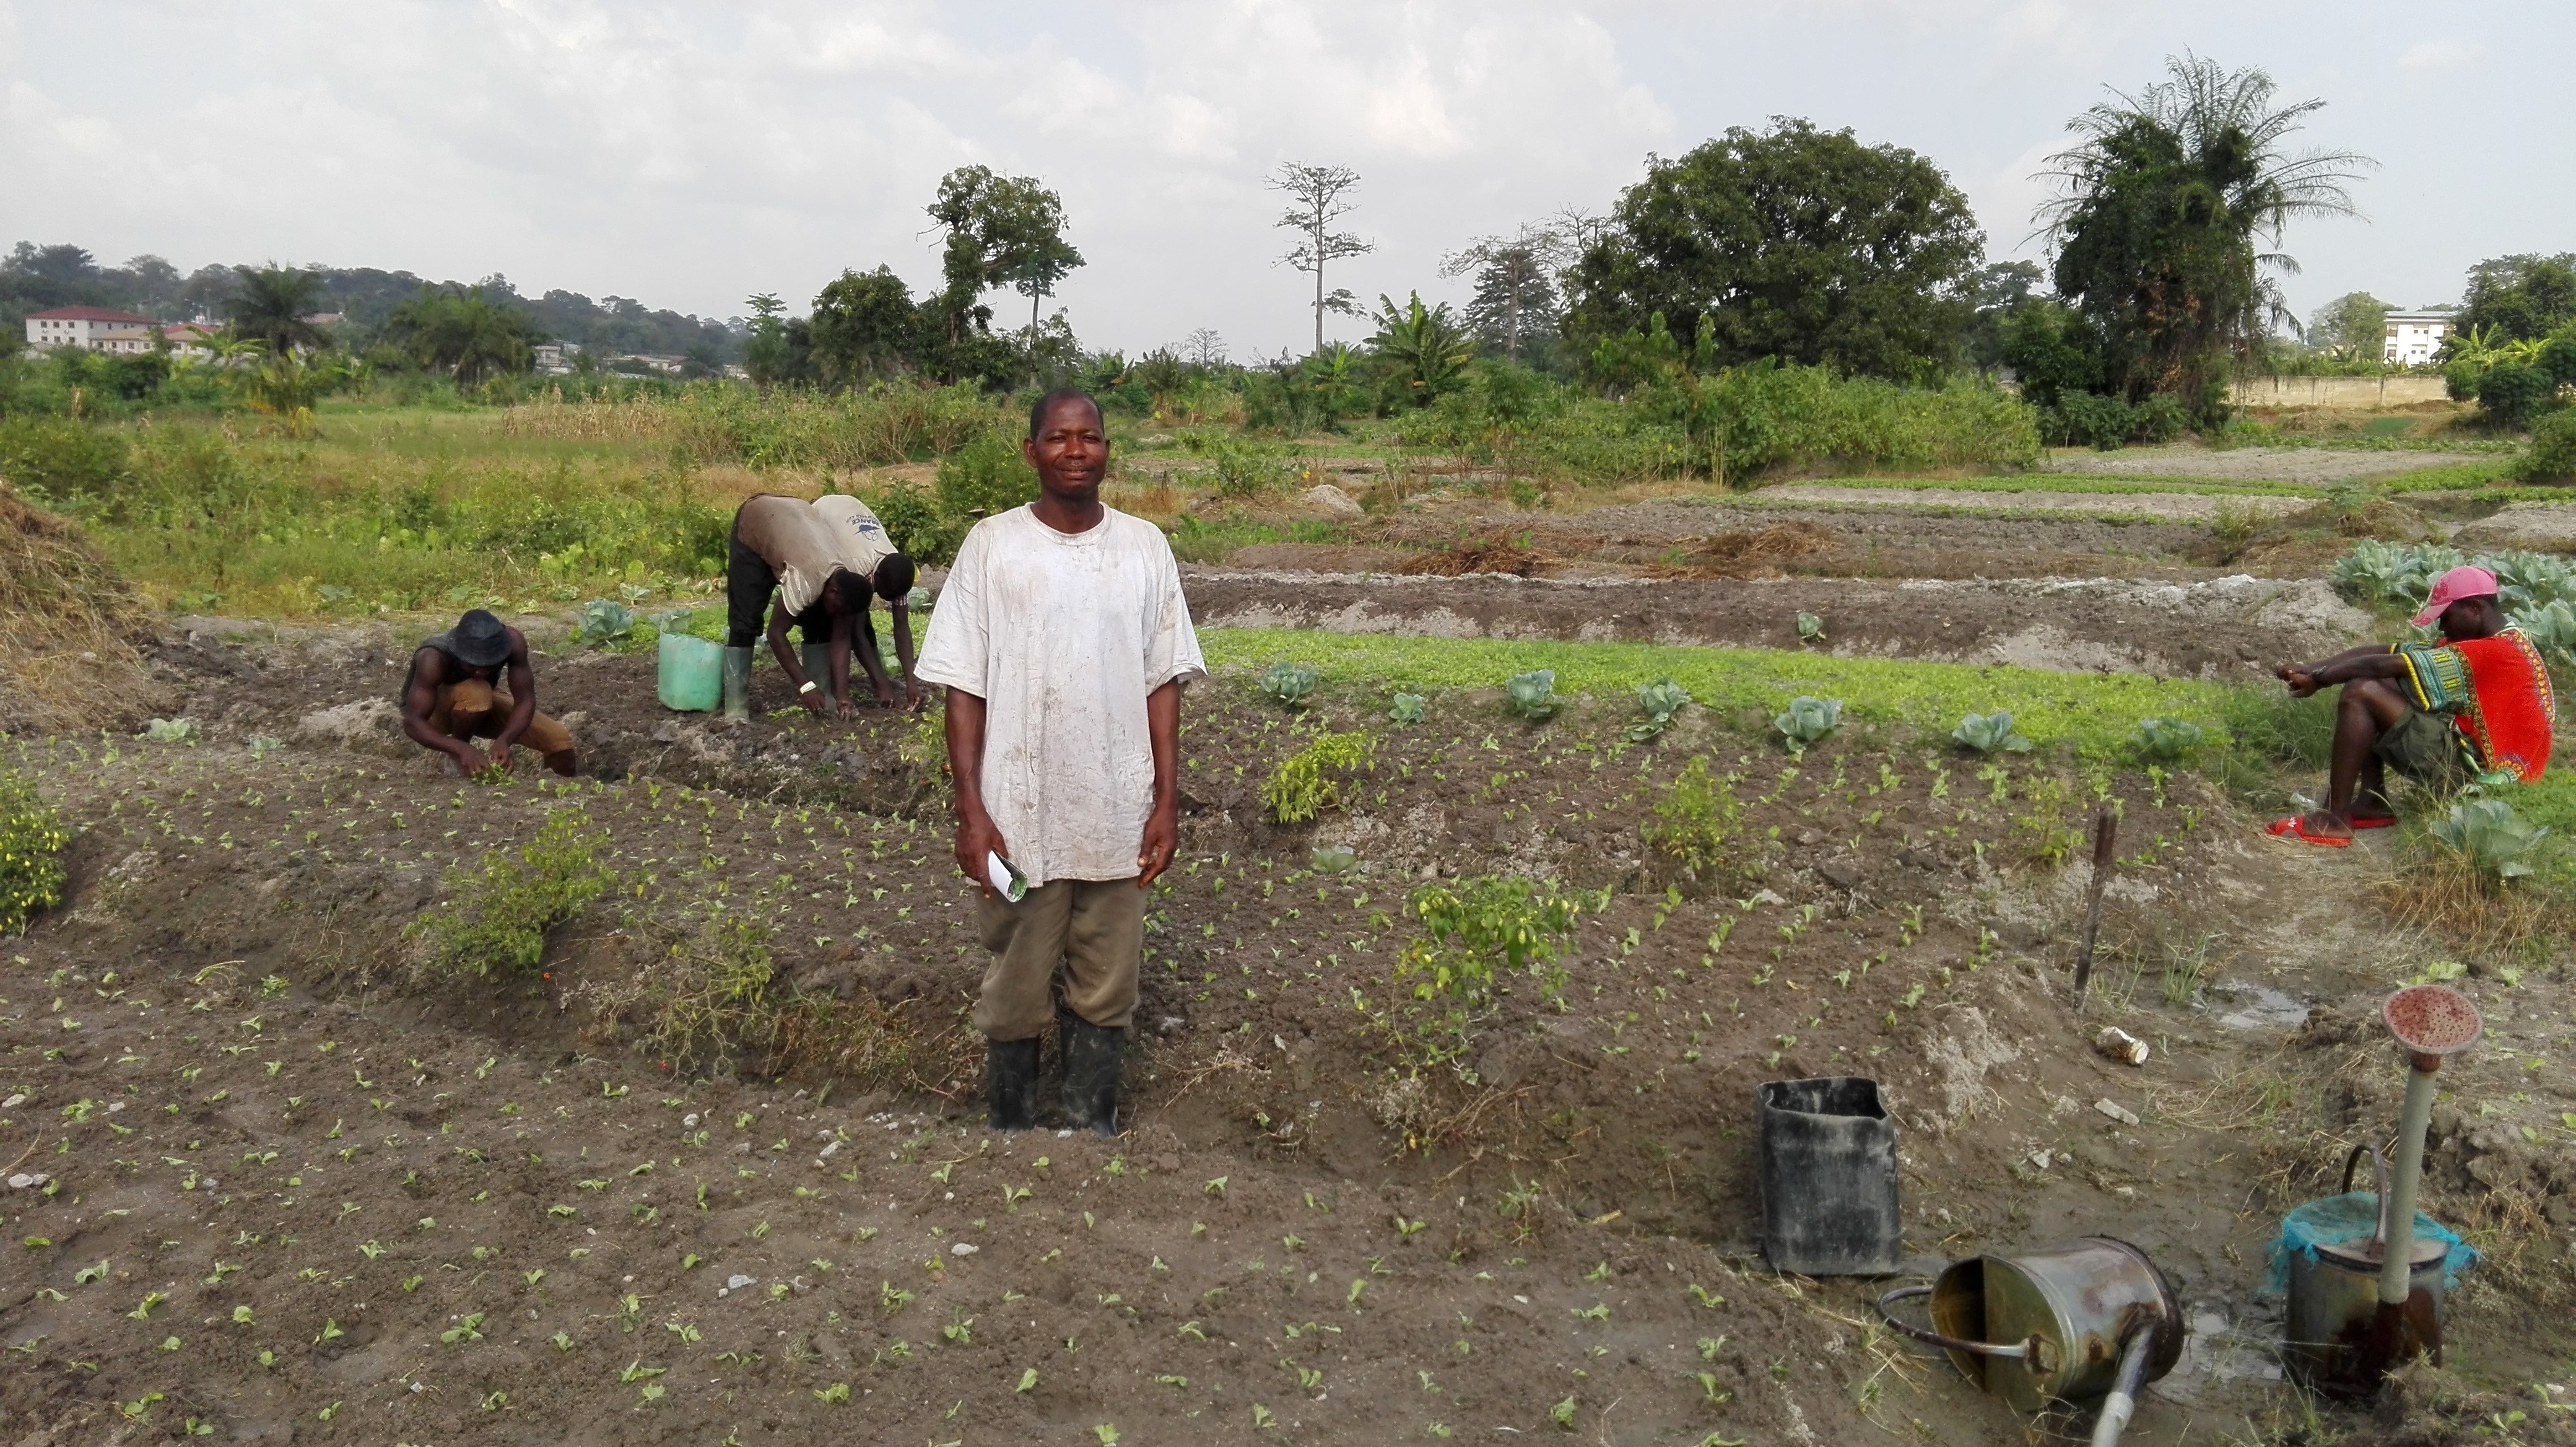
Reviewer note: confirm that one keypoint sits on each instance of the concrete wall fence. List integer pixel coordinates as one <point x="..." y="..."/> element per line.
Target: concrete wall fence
<point x="2355" y="392"/>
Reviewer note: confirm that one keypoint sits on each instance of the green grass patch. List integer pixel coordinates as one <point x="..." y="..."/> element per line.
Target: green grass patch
<point x="2094" y="714"/>
<point x="2484" y="473"/>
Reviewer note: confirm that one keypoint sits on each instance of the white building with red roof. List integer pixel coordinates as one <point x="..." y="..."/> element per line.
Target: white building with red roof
<point x="90" y="328"/>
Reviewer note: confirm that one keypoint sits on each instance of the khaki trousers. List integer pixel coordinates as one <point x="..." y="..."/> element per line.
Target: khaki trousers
<point x="1096" y="927"/>
<point x="474" y="709"/>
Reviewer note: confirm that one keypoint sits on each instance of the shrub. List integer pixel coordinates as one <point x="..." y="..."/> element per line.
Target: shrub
<point x="2489" y="837"/>
<point x="61" y="463"/>
<point x="986" y="476"/>
<point x="1807" y="720"/>
<point x="2552" y="458"/>
<point x="1291" y="684"/>
<point x="2510" y="393"/>
<point x="1477" y="931"/>
<point x="1301" y="787"/>
<point x="1532" y="695"/>
<point x="915" y="524"/>
<point x="1694" y="826"/>
<point x="1989" y="733"/>
<point x="500" y="914"/>
<point x="2161" y="418"/>
<point x="2089" y="419"/>
<point x="32" y="837"/>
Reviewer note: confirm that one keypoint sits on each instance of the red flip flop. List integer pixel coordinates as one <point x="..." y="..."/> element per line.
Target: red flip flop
<point x="2291" y="828"/>
<point x="2389" y="822"/>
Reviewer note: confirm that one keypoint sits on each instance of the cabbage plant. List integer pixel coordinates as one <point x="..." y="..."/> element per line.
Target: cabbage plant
<point x="1808" y="720"/>
<point x="1659" y="701"/>
<point x="1532" y="695"/>
<point x="1290" y="683"/>
<point x="2166" y="740"/>
<point x="1990" y="733"/>
<point x="601" y="620"/>
<point x="1408" y="709"/>
<point x="170" y="730"/>
<point x="2494" y="839"/>
<point x="1811" y="629"/>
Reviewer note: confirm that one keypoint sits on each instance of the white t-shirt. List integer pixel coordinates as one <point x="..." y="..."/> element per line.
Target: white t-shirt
<point x="1063" y="635"/>
<point x="862" y="539"/>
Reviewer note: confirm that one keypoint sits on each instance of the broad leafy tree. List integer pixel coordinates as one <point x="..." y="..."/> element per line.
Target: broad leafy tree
<point x="2352" y="326"/>
<point x="1999" y="292"/>
<point x="2169" y="216"/>
<point x="864" y="326"/>
<point x="2518" y="298"/>
<point x="269" y="305"/>
<point x="1794" y="243"/>
<point x="1002" y="231"/>
<point x="1318" y="198"/>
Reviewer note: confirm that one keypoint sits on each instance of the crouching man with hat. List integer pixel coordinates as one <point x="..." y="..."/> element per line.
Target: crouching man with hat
<point x="455" y="695"/>
<point x="2444" y="714"/>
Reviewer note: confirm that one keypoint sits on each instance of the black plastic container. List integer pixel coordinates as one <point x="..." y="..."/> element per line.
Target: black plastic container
<point x="1828" y="1178"/>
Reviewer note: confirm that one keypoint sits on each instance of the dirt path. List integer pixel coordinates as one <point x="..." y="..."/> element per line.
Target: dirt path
<point x="2232" y="627"/>
<point x="2318" y="465"/>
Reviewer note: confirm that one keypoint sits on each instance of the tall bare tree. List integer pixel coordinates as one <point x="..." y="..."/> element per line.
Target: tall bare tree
<point x="1318" y="196"/>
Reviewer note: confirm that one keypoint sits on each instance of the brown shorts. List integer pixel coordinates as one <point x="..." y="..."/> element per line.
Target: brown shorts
<point x="1095" y="927"/>
<point x="474" y="709"/>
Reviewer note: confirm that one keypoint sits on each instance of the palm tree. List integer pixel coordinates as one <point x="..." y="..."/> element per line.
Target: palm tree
<point x="2159" y="209"/>
<point x="1422" y="348"/>
<point x="464" y="332"/>
<point x="271" y="304"/>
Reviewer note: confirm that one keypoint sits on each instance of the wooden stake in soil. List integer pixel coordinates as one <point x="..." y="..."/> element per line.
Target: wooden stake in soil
<point x="2106" y="830"/>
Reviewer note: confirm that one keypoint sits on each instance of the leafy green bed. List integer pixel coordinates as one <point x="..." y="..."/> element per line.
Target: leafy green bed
<point x="2094" y="714"/>
<point x="2067" y="482"/>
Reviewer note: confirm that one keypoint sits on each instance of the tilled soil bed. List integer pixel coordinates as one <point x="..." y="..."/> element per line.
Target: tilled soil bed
<point x="297" y="1187"/>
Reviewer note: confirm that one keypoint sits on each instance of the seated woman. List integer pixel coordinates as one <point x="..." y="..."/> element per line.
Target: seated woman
<point x="2442" y="714"/>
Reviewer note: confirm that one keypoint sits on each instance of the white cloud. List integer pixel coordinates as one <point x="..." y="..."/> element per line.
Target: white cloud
<point x="690" y="153"/>
<point x="2447" y="53"/>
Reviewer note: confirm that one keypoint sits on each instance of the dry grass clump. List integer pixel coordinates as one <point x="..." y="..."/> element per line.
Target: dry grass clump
<point x="2445" y="893"/>
<point x="1761" y="552"/>
<point x="1489" y="552"/>
<point x="69" y="626"/>
<point x="709" y="1000"/>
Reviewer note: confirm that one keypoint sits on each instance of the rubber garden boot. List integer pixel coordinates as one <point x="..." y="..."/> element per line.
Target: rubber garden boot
<point x="1091" y="1066"/>
<point x="1011" y="1083"/>
<point x="818" y="663"/>
<point x="737" y="685"/>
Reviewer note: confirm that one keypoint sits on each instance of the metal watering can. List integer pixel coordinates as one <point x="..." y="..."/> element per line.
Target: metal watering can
<point x="2335" y="1263"/>
<point x="2092" y="1319"/>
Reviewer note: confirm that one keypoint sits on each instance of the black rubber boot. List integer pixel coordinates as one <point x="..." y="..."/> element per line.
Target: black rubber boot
<point x="1091" y="1064"/>
<point x="1011" y="1083"/>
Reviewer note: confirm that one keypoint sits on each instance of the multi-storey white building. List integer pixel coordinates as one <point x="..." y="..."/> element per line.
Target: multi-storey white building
<point x="91" y="328"/>
<point x="2414" y="337"/>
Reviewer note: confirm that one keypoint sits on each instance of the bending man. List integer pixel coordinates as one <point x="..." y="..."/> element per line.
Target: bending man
<point x="2441" y="714"/>
<point x="782" y="547"/>
<point x="1064" y="641"/>
<point x="450" y="698"/>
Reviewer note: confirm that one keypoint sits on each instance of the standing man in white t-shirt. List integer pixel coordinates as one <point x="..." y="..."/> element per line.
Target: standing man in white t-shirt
<point x="1063" y="640"/>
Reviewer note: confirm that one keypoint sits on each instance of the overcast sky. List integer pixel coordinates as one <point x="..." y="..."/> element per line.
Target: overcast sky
<point x="689" y="155"/>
